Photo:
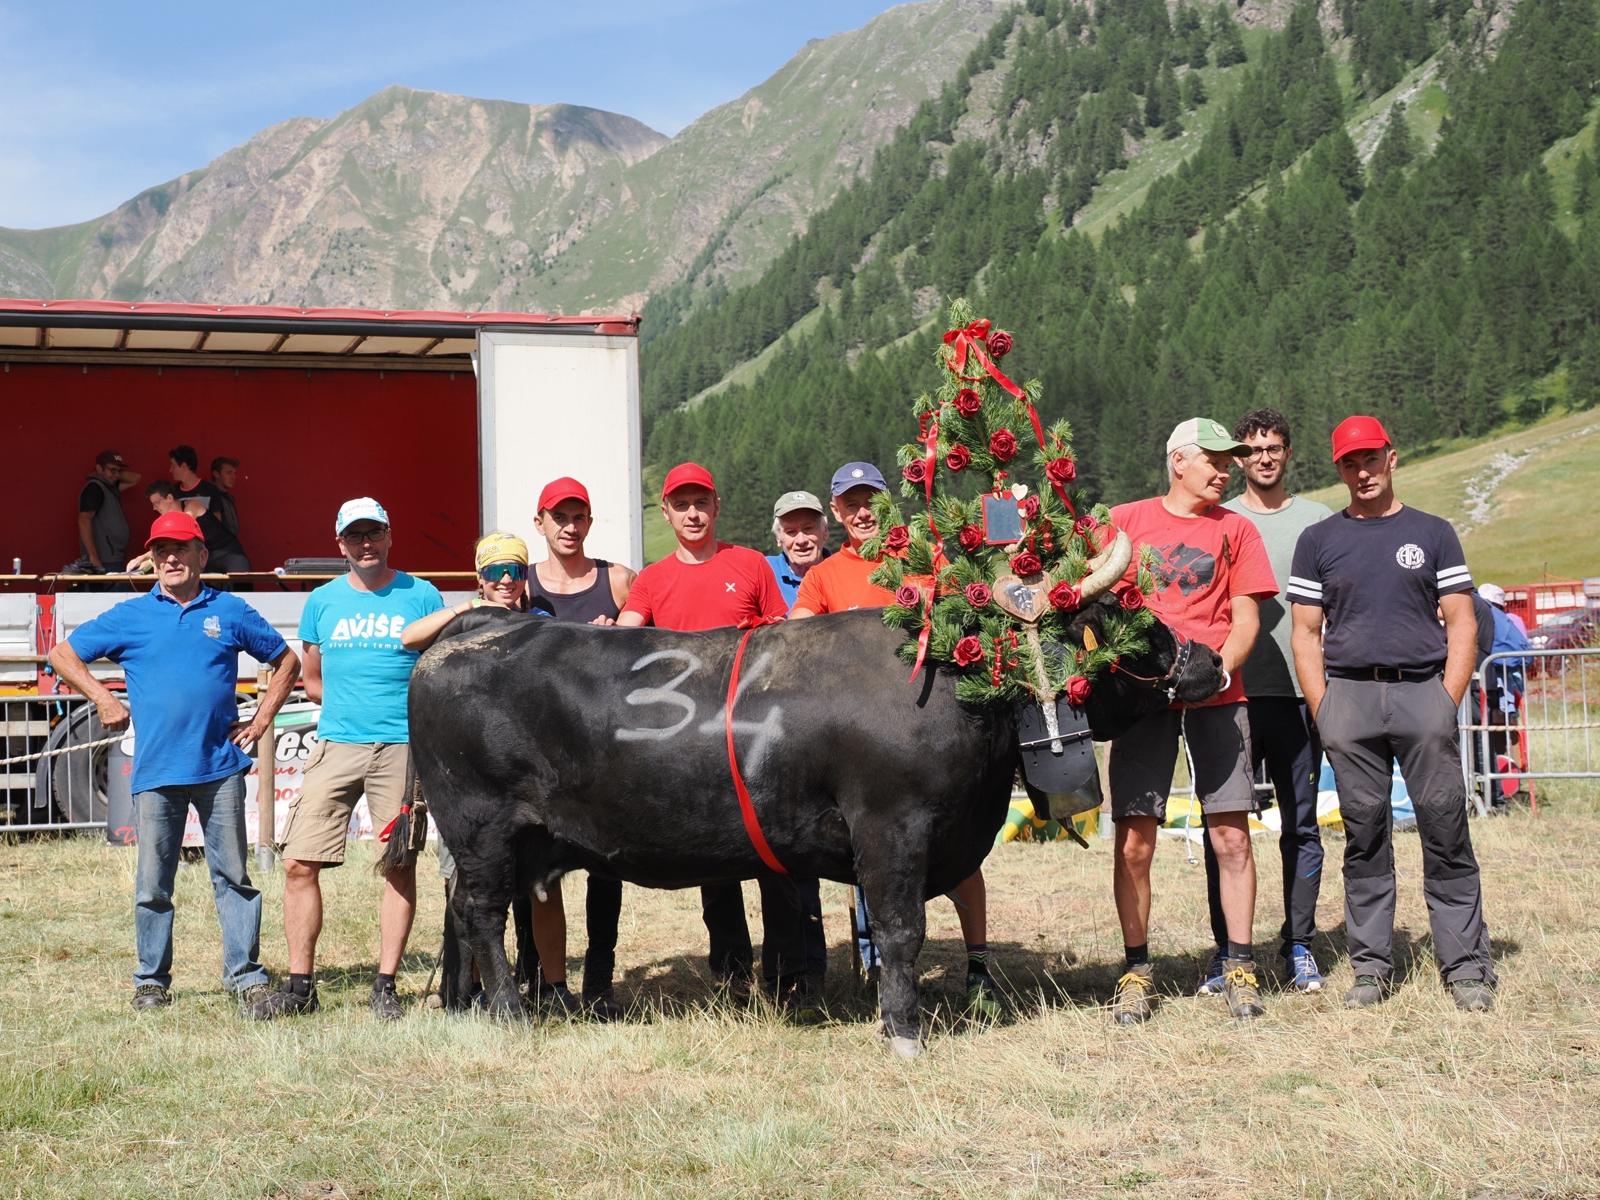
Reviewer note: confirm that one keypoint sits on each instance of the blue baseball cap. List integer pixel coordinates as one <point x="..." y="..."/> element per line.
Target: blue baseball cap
<point x="858" y="474"/>
<point x="363" y="508"/>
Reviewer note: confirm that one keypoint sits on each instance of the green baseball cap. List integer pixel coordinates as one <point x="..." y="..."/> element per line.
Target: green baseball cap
<point x="1205" y="433"/>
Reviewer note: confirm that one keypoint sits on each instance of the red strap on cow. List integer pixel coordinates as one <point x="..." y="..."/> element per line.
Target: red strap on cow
<point x="747" y="810"/>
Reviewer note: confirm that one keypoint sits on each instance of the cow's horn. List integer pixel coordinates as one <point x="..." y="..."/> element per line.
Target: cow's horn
<point x="1106" y="567"/>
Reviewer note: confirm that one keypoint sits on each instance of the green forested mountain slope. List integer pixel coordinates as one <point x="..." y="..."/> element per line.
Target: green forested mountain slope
<point x="1435" y="283"/>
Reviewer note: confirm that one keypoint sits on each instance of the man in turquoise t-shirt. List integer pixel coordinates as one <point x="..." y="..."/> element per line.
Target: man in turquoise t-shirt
<point x="358" y="670"/>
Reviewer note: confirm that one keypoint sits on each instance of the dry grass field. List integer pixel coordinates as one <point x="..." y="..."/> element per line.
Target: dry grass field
<point x="1411" y="1099"/>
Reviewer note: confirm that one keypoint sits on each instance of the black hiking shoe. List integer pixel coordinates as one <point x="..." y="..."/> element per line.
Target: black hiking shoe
<point x="984" y="1006"/>
<point x="385" y="1003"/>
<point x="602" y="1006"/>
<point x="1368" y="990"/>
<point x="284" y="1002"/>
<point x="150" y="995"/>
<point x="557" y="1000"/>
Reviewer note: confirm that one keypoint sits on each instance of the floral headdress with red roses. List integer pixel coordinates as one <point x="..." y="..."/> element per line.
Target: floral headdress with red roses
<point x="984" y="595"/>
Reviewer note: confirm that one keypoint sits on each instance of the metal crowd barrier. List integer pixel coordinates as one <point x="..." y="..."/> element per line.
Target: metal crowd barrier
<point x="1551" y="731"/>
<point x="52" y="774"/>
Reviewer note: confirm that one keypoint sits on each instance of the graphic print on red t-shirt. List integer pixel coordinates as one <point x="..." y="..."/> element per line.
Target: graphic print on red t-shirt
<point x="1201" y="564"/>
<point x="735" y="584"/>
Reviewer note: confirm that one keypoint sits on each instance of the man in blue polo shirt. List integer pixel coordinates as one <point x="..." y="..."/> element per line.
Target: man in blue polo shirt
<point x="179" y="648"/>
<point x="800" y="527"/>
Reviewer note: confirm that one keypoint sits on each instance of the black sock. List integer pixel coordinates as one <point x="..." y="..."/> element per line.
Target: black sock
<point x="1137" y="956"/>
<point x="977" y="958"/>
<point x="383" y="983"/>
<point x="300" y="985"/>
<point x="1241" y="951"/>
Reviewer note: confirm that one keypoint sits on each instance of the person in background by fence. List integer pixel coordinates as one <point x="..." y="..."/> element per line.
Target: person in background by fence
<point x="225" y="477"/>
<point x="179" y="647"/>
<point x="843" y="583"/>
<point x="359" y="671"/>
<point x="227" y="553"/>
<point x="1506" y="679"/>
<point x="1282" y="733"/>
<point x="102" y="525"/>
<point x="1384" y="682"/>
<point x="1211" y="572"/>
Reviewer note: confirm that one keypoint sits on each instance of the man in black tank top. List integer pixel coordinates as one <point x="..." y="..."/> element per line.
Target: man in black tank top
<point x="571" y="586"/>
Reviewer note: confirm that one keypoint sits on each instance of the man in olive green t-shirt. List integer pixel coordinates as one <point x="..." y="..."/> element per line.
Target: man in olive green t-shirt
<point x="1281" y="730"/>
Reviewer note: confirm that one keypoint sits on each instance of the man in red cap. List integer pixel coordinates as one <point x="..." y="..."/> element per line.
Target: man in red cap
<point x="571" y="586"/>
<point x="1383" y="682"/>
<point x="179" y="647"/>
<point x="707" y="584"/>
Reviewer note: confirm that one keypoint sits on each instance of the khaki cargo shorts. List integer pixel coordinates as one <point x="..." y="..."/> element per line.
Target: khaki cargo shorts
<point x="334" y="777"/>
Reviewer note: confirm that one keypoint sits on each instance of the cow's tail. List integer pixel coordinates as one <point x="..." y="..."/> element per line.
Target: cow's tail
<point x="408" y="833"/>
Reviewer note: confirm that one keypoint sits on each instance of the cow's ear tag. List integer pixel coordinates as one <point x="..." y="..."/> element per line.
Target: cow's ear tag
<point x="1090" y="642"/>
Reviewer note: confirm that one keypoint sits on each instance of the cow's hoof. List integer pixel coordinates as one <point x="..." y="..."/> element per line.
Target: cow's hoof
<point x="905" y="1047"/>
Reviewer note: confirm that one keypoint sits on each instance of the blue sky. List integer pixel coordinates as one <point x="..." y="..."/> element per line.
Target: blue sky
<point x="104" y="99"/>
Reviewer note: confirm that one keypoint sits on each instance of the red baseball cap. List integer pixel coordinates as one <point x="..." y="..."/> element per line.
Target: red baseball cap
<point x="687" y="474"/>
<point x="1358" y="433"/>
<point x="565" y="488"/>
<point x="179" y="526"/>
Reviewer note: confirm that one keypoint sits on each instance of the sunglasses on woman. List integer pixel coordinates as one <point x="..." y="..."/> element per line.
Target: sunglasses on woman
<point x="496" y="572"/>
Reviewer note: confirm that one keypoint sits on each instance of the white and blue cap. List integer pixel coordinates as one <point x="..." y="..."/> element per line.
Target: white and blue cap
<point x="858" y="474"/>
<point x="362" y="508"/>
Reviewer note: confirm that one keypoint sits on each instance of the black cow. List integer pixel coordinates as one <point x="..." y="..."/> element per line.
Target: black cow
<point x="543" y="747"/>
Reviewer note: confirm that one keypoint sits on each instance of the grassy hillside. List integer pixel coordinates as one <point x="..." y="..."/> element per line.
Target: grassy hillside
<point x="1520" y="499"/>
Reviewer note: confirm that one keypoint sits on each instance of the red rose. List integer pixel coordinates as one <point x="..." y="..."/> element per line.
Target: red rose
<point x="967" y="651"/>
<point x="958" y="458"/>
<point x="968" y="402"/>
<point x="971" y="538"/>
<point x="1003" y="445"/>
<point x="1077" y="691"/>
<point x="1025" y="564"/>
<point x="1029" y="507"/>
<point x="909" y="596"/>
<point x="978" y="595"/>
<point x="1131" y="599"/>
<point x="1065" y="597"/>
<point x="915" y="471"/>
<point x="1084" y="526"/>
<point x="1061" y="470"/>
<point x="999" y="343"/>
<point x="897" y="538"/>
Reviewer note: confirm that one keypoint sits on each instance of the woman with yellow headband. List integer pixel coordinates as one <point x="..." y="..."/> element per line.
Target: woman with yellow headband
<point x="502" y="562"/>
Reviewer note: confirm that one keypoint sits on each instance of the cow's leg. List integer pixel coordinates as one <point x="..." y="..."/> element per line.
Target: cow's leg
<point x="482" y="897"/>
<point x="455" y="968"/>
<point x="893" y="876"/>
<point x="527" y="956"/>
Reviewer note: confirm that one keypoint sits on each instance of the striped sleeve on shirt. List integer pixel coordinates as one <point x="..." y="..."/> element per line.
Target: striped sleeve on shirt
<point x="1305" y="574"/>
<point x="1306" y="591"/>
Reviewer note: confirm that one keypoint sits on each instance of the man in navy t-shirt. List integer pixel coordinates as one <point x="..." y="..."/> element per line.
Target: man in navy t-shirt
<point x="179" y="648"/>
<point x="1383" y="681"/>
<point x="358" y="670"/>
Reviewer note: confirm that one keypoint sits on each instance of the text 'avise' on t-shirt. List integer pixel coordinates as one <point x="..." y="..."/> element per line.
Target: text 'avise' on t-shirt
<point x="365" y="669"/>
<point x="1203" y="563"/>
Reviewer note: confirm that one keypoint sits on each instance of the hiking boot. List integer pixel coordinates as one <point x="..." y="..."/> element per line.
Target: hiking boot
<point x="801" y="1000"/>
<point x="1134" y="999"/>
<point x="248" y="996"/>
<point x="602" y="1006"/>
<point x="285" y="1002"/>
<point x="1240" y="989"/>
<point x="1211" y="981"/>
<point x="385" y="1002"/>
<point x="557" y="1000"/>
<point x="1369" y="990"/>
<point x="1472" y="995"/>
<point x="984" y="1005"/>
<point x="150" y="995"/>
<point x="1301" y="965"/>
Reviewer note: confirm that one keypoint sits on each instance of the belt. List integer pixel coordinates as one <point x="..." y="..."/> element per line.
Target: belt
<point x="1385" y="674"/>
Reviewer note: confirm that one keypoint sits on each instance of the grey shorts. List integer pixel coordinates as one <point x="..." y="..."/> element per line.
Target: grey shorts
<point x="1143" y="759"/>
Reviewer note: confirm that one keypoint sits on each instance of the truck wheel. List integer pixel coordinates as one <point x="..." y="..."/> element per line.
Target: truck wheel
<point x="77" y="782"/>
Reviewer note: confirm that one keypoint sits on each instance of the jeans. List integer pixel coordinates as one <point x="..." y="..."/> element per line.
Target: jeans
<point x="159" y="817"/>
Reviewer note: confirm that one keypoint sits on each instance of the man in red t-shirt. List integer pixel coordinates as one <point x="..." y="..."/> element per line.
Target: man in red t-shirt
<point x="707" y="584"/>
<point x="1211" y="571"/>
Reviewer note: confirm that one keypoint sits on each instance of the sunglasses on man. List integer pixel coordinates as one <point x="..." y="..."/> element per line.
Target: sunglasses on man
<point x="496" y="572"/>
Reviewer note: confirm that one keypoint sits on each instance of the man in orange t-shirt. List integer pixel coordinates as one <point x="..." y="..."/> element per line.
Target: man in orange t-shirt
<point x="1211" y="572"/>
<point x="841" y="582"/>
